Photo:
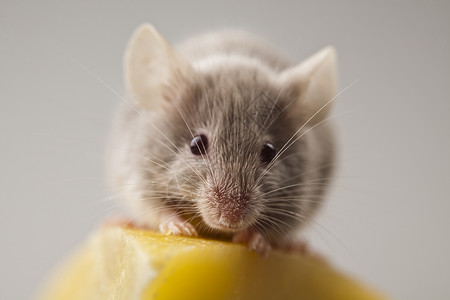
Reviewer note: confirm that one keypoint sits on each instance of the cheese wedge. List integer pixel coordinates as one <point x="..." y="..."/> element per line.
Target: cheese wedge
<point x="120" y="263"/>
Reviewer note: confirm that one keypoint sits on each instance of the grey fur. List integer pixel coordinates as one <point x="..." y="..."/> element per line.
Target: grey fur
<point x="150" y="164"/>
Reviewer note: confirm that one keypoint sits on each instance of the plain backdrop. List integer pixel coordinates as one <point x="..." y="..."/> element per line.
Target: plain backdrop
<point x="386" y="220"/>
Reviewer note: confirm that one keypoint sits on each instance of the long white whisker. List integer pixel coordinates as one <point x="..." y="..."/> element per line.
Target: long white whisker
<point x="204" y="156"/>
<point x="125" y="101"/>
<point x="288" y="143"/>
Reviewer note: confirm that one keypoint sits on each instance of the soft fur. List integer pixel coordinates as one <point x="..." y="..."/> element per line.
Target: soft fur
<point x="241" y="93"/>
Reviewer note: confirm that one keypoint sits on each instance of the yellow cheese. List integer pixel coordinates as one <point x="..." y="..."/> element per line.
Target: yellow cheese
<point x="118" y="263"/>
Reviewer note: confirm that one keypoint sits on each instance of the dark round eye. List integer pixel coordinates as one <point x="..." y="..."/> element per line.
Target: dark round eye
<point x="268" y="153"/>
<point x="199" y="144"/>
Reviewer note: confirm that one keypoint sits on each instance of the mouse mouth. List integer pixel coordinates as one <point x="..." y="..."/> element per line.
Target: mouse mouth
<point x="224" y="223"/>
<point x="226" y="226"/>
<point x="228" y="220"/>
<point x="229" y="207"/>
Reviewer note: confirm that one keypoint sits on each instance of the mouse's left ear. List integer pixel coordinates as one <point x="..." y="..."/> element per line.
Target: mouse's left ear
<point x="154" y="71"/>
<point x="314" y="84"/>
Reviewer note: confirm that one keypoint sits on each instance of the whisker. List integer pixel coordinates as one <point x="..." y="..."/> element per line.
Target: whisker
<point x="289" y="142"/>
<point x="192" y="134"/>
<point x="126" y="102"/>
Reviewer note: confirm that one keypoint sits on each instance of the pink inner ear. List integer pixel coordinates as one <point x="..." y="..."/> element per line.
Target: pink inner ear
<point x="152" y="68"/>
<point x="315" y="82"/>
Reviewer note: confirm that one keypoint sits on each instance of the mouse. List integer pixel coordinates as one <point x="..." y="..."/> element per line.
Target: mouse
<point x="222" y="136"/>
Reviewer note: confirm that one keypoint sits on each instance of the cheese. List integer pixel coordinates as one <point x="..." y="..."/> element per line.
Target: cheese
<point x="120" y="263"/>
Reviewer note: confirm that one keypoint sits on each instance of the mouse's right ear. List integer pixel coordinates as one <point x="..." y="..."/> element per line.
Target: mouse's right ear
<point x="314" y="85"/>
<point x="153" y="70"/>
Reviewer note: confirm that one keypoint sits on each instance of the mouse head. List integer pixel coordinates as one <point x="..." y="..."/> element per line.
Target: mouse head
<point x="229" y="126"/>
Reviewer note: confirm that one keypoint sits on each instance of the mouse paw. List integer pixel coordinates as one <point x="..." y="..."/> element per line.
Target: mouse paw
<point x="177" y="226"/>
<point x="255" y="242"/>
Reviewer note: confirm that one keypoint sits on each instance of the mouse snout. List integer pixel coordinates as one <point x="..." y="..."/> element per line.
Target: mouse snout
<point x="232" y="209"/>
<point x="226" y="210"/>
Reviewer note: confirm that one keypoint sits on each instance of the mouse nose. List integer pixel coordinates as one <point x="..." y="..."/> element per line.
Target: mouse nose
<point x="231" y="209"/>
<point x="231" y="218"/>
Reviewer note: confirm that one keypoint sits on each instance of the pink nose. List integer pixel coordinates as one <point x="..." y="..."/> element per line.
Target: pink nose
<point x="232" y="210"/>
<point x="231" y="219"/>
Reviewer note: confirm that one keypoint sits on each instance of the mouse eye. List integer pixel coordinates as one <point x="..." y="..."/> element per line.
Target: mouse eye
<point x="268" y="153"/>
<point x="199" y="144"/>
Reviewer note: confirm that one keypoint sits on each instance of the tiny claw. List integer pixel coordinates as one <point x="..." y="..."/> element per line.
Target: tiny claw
<point x="259" y="244"/>
<point x="255" y="241"/>
<point x="177" y="226"/>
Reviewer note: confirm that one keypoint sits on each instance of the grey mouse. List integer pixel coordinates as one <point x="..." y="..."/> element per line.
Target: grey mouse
<point x="223" y="137"/>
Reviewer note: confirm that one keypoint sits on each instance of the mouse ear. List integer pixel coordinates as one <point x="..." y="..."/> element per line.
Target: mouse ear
<point x="153" y="70"/>
<point x="314" y="84"/>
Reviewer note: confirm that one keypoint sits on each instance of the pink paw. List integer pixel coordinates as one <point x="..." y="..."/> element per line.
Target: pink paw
<point x="177" y="226"/>
<point x="255" y="241"/>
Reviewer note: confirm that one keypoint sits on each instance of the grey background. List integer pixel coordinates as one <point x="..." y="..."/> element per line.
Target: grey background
<point x="386" y="220"/>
